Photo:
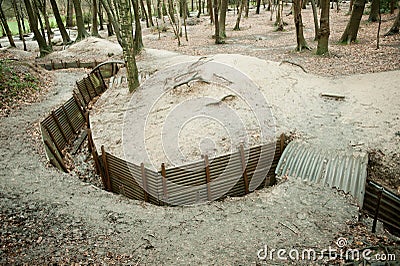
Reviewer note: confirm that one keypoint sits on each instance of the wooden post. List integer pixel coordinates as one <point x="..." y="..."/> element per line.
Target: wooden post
<point x="52" y="65"/>
<point x="54" y="141"/>
<point x="144" y="182"/>
<point x="282" y="142"/>
<point x="68" y="120"/>
<point x="83" y="97"/>
<point x="54" y="153"/>
<point x="102" y="80"/>
<point x="244" y="169"/>
<point x="94" y="87"/>
<point x="55" y="118"/>
<point x="81" y="108"/>
<point x="86" y="88"/>
<point x="107" y="183"/>
<point x="208" y="179"/>
<point x="377" y="210"/>
<point x="164" y="180"/>
<point x="87" y="119"/>
<point x="78" y="63"/>
<point x="92" y="150"/>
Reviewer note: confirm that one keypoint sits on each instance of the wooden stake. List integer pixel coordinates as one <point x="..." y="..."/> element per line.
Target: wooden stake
<point x="144" y="182"/>
<point x="208" y="179"/>
<point x="107" y="183"/>
<point x="244" y="169"/>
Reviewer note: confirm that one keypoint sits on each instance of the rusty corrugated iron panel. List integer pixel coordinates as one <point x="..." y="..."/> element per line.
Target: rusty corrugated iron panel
<point x="344" y="171"/>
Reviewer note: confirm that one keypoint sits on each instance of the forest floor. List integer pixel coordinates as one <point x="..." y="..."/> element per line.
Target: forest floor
<point x="51" y="217"/>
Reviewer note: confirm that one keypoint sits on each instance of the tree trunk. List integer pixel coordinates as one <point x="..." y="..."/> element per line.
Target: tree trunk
<point x="350" y="33"/>
<point x="216" y="23"/>
<point x="70" y="14"/>
<point x="279" y="16"/>
<point x="60" y="24"/>
<point x="112" y="20"/>
<point x="38" y="17"/>
<point x="144" y="13"/>
<point x="395" y="27"/>
<point x="159" y="12"/>
<point x="101" y="18"/>
<point x="21" y="12"/>
<point x="125" y="20"/>
<point x="171" y="10"/>
<point x="237" y="25"/>
<point x="138" y="46"/>
<point x="324" y="31"/>
<point x="43" y="47"/>
<point x="82" y="33"/>
<point x="247" y="9"/>
<point x="222" y="19"/>
<point x="315" y="14"/>
<point x="258" y="7"/>
<point x="210" y="10"/>
<point x="149" y="12"/>
<point x="95" y="24"/>
<point x="42" y="8"/>
<point x="301" y="42"/>
<point x="5" y="25"/>
<point x="351" y="5"/>
<point x="198" y="14"/>
<point x="17" y="17"/>
<point x="374" y="13"/>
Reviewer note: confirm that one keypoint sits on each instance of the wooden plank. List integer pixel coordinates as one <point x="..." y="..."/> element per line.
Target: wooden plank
<point x="144" y="182"/>
<point x="54" y="153"/>
<point x="54" y="140"/>
<point x="208" y="180"/>
<point x="244" y="169"/>
<point x="68" y="119"/>
<point x="164" y="181"/>
<point x="55" y="118"/>
<point x="107" y="183"/>
<point x="79" y="142"/>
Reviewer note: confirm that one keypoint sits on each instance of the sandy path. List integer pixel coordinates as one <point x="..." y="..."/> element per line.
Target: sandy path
<point x="49" y="216"/>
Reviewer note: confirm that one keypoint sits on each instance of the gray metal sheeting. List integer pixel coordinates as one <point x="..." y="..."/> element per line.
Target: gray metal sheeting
<point x="344" y="171"/>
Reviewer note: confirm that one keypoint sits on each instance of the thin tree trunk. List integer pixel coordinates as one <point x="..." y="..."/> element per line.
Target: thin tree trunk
<point x="216" y="23"/>
<point x="112" y="20"/>
<point x="17" y="17"/>
<point x="43" y="47"/>
<point x="210" y="10"/>
<point x="374" y="13"/>
<point x="301" y="42"/>
<point x="198" y="14"/>
<point x="315" y="15"/>
<point x="101" y="18"/>
<point x="379" y="26"/>
<point x="159" y="12"/>
<point x="350" y="33"/>
<point x="258" y="7"/>
<point x="42" y="8"/>
<point x="95" y="23"/>
<point x="144" y="13"/>
<point x="128" y="43"/>
<point x="395" y="27"/>
<point x="148" y="2"/>
<point x="37" y="13"/>
<point x="279" y="16"/>
<point x="70" y="14"/>
<point x="60" y="24"/>
<point x="324" y="30"/>
<point x="222" y="19"/>
<point x="171" y="10"/>
<point x="82" y="33"/>
<point x="138" y="46"/>
<point x="5" y="25"/>
<point x="237" y="25"/>
<point x="185" y="14"/>
<point x="351" y="6"/>
<point x="21" y="12"/>
<point x="247" y="9"/>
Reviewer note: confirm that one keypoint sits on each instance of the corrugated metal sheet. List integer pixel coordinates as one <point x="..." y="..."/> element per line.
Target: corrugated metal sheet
<point x="344" y="171"/>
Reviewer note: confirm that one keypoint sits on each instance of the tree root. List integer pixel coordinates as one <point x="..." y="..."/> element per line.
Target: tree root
<point x="295" y="64"/>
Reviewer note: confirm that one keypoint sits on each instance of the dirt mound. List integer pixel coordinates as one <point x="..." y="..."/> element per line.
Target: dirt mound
<point x="89" y="49"/>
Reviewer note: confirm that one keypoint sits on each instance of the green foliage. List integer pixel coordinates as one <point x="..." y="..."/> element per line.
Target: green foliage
<point x="15" y="85"/>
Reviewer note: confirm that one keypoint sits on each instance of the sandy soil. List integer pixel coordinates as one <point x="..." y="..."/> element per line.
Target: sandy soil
<point x="295" y="101"/>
